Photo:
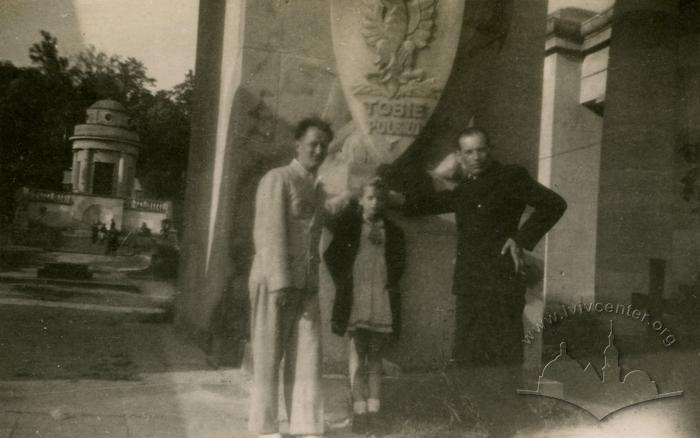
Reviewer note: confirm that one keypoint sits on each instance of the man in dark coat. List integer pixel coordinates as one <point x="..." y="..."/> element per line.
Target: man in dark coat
<point x="488" y="200"/>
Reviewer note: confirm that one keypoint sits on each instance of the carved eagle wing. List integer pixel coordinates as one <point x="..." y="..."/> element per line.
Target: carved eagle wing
<point x="420" y="25"/>
<point x="373" y="28"/>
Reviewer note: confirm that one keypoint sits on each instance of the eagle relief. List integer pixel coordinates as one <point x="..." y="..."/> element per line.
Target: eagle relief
<point x="394" y="58"/>
<point x="395" y="30"/>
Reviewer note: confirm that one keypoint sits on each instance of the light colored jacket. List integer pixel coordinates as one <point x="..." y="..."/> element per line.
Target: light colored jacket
<point x="289" y="216"/>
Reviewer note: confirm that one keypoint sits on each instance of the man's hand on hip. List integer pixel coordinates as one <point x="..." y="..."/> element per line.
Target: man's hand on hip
<point x="516" y="252"/>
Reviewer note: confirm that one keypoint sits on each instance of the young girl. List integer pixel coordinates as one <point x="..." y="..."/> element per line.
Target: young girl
<point x="366" y="260"/>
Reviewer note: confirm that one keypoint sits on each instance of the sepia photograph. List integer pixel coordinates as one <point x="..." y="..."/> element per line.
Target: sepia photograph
<point x="349" y="218"/>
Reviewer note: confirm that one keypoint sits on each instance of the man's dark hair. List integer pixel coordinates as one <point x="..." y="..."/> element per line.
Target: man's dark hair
<point x="312" y="122"/>
<point x="474" y="130"/>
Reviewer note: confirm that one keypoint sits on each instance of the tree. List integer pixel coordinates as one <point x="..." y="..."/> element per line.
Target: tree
<point x="44" y="55"/>
<point x="35" y="121"/>
<point x="183" y="94"/>
<point x="165" y="133"/>
<point x="100" y="75"/>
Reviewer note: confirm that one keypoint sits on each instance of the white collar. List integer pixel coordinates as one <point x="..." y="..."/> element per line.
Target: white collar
<point x="302" y="170"/>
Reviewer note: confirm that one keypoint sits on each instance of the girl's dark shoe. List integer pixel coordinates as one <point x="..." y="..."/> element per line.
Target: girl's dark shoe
<point x="359" y="424"/>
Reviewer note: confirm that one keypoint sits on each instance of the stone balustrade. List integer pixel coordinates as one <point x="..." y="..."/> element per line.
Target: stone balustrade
<point x="146" y="205"/>
<point x="50" y="196"/>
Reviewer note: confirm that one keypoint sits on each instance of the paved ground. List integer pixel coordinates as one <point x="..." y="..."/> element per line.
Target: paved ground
<point x="76" y="373"/>
<point x="70" y="368"/>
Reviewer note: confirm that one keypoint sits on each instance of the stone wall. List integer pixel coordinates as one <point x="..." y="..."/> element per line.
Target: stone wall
<point x="686" y="233"/>
<point x="109" y="208"/>
<point x="79" y="210"/>
<point x="612" y="143"/>
<point x="134" y="218"/>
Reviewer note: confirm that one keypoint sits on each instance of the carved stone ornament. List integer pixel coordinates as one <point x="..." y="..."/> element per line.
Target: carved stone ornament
<point x="394" y="58"/>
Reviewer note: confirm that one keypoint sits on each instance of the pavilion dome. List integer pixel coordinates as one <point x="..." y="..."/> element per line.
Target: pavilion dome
<point x="107" y="120"/>
<point x="108" y="104"/>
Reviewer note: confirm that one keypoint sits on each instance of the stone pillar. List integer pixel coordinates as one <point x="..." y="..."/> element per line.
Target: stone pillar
<point x="86" y="172"/>
<point x="204" y="271"/>
<point x="636" y="185"/>
<point x="686" y="242"/>
<point x="75" y="172"/>
<point x="569" y="155"/>
<point x="120" y="186"/>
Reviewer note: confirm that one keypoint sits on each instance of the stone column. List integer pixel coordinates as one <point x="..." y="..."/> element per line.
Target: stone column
<point x="569" y="155"/>
<point x="204" y="272"/>
<point x="120" y="187"/>
<point x="86" y="172"/>
<point x="686" y="243"/>
<point x="636" y="185"/>
<point x="75" y="172"/>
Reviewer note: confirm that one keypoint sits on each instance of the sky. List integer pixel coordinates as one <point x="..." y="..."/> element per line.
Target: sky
<point x="161" y="33"/>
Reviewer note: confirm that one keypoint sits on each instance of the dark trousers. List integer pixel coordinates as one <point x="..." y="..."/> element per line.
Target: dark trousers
<point x="489" y="328"/>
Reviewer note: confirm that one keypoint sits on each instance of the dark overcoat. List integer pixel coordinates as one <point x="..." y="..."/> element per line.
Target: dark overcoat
<point x="340" y="259"/>
<point x="490" y="294"/>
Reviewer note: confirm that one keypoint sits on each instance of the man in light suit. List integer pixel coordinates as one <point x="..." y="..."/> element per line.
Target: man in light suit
<point x="285" y="313"/>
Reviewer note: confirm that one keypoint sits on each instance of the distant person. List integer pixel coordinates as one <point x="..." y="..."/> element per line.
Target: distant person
<point x="43" y="211"/>
<point x="165" y="226"/>
<point x="112" y="239"/>
<point x="144" y="230"/>
<point x="366" y="259"/>
<point x="102" y="232"/>
<point x="488" y="200"/>
<point x="95" y="231"/>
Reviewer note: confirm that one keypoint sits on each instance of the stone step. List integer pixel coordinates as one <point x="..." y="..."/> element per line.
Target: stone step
<point x="86" y="296"/>
<point x="129" y="305"/>
<point x="65" y="270"/>
<point x="15" y="278"/>
<point x="85" y="233"/>
<point x="141" y="314"/>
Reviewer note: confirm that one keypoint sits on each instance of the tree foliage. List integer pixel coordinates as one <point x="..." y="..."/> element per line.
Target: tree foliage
<point x="40" y="105"/>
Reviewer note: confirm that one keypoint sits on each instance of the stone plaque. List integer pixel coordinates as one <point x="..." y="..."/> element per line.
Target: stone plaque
<point x="394" y="58"/>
